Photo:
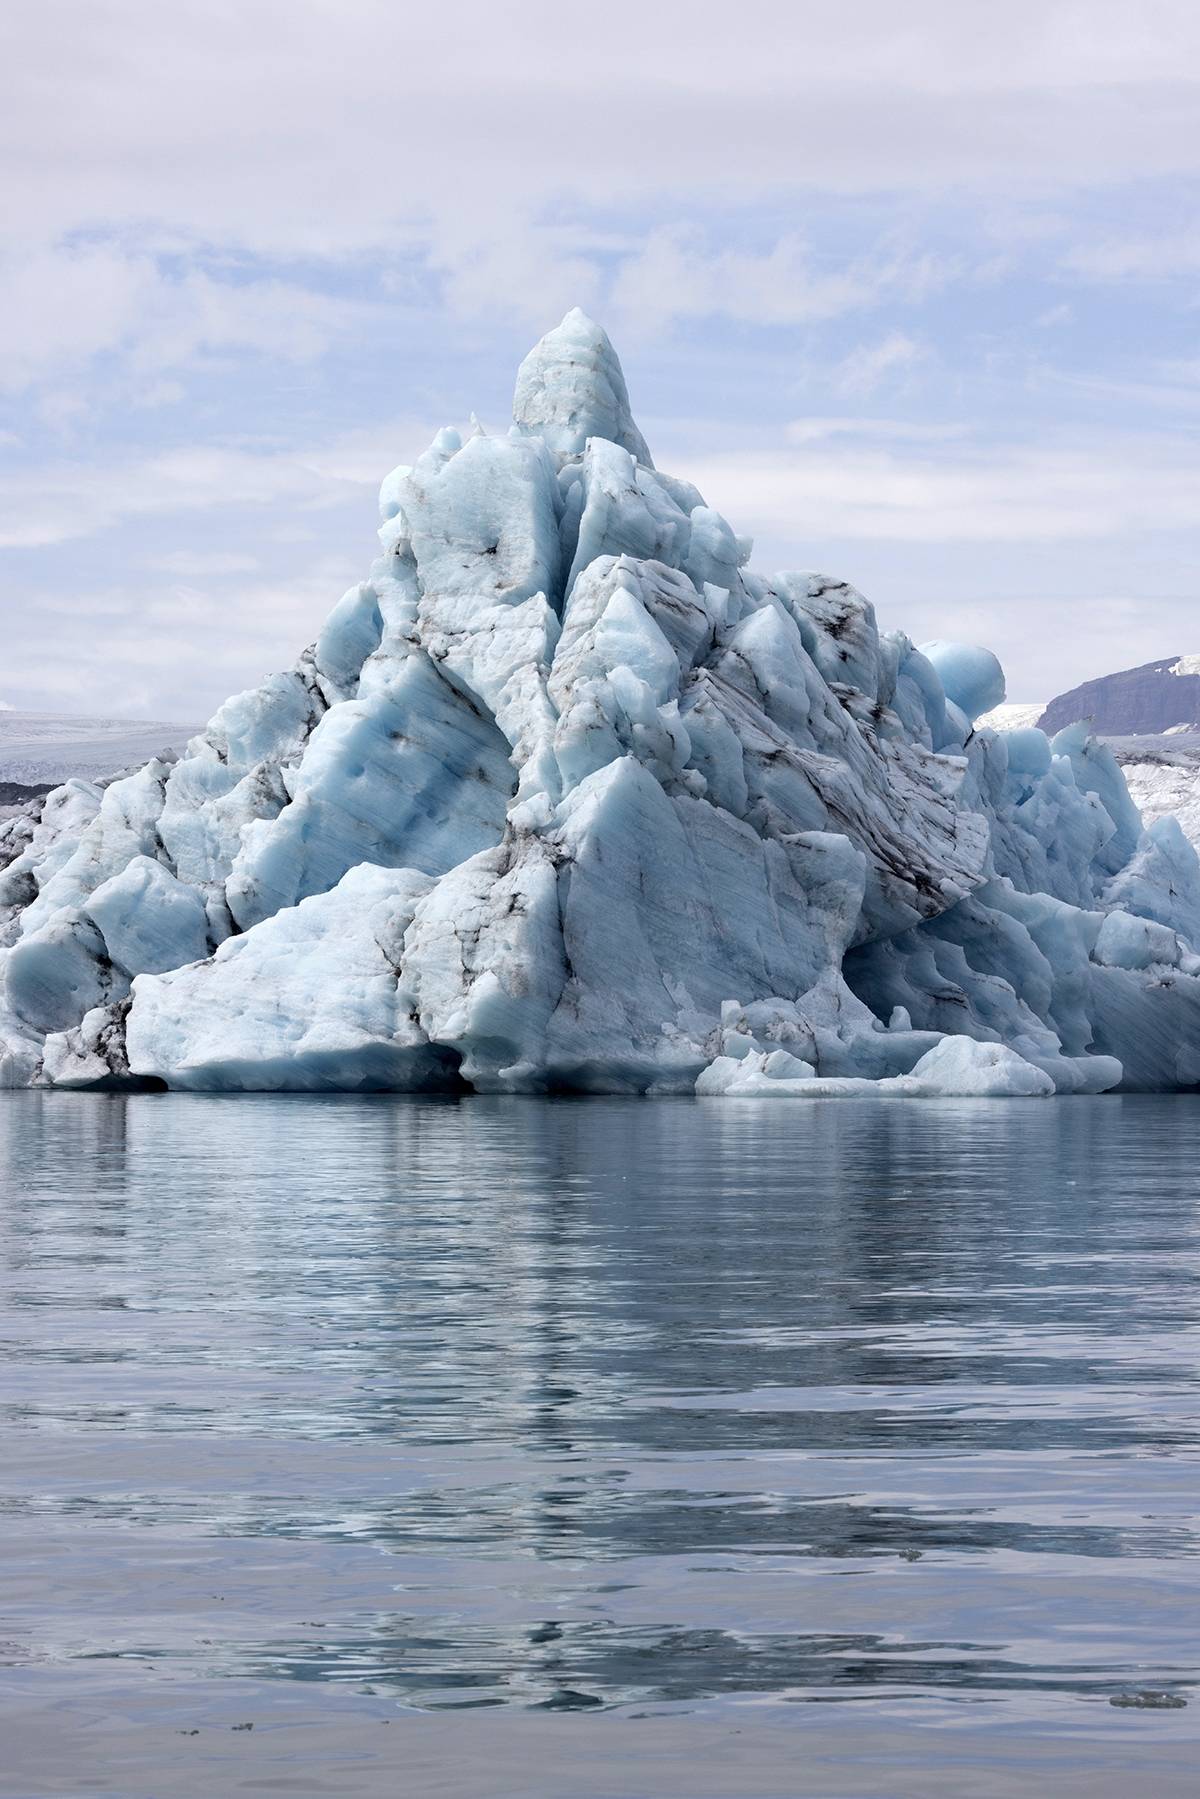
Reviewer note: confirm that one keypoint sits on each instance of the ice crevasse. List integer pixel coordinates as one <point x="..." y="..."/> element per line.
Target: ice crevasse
<point x="565" y="797"/>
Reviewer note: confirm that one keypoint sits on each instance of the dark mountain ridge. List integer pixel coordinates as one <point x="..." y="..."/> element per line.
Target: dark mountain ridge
<point x="1135" y="701"/>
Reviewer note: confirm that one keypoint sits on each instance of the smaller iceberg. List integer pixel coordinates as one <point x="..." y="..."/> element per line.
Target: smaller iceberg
<point x="955" y="1068"/>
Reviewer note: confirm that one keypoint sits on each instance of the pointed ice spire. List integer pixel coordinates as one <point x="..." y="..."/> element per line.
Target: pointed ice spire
<point x="570" y="387"/>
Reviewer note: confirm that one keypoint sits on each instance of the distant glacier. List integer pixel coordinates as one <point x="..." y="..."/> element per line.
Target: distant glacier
<point x="564" y="797"/>
<point x="38" y="750"/>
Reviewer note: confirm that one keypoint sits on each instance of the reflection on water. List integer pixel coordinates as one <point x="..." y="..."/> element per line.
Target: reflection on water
<point x="584" y="1403"/>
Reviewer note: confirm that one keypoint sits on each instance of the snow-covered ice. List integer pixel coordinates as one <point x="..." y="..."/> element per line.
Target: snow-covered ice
<point x="1012" y="715"/>
<point x="955" y="1068"/>
<point x="565" y="796"/>
<point x="1163" y="777"/>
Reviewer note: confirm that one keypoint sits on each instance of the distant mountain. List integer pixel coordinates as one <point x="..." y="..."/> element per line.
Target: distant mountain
<point x="1159" y="696"/>
<point x="39" y="750"/>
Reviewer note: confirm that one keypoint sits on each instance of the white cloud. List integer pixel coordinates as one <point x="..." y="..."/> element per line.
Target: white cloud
<point x="311" y="128"/>
<point x="198" y="563"/>
<point x="1026" y="494"/>
<point x="156" y="394"/>
<point x="62" y="305"/>
<point x="57" y="502"/>
<point x="869" y="366"/>
<point x="217" y="180"/>
<point x="678" y="275"/>
<point x="174" y="651"/>
<point x="1137" y="257"/>
<point x="814" y="430"/>
<point x="64" y="409"/>
<point x="466" y="145"/>
<point x="522" y="271"/>
<point x="1173" y="390"/>
<point x="53" y="504"/>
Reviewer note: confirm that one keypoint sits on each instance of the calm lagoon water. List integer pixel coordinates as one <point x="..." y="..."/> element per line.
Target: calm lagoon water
<point x="598" y="1447"/>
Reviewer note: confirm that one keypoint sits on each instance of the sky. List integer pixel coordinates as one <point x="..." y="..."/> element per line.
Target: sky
<point x="909" y="292"/>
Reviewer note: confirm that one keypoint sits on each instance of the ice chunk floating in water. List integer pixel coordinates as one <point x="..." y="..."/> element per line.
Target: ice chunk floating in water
<point x="564" y="796"/>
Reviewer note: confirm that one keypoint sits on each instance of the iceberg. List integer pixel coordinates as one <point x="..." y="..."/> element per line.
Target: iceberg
<point x="566" y="797"/>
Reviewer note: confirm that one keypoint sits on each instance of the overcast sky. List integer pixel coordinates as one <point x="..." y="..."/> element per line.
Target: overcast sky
<point x="909" y="291"/>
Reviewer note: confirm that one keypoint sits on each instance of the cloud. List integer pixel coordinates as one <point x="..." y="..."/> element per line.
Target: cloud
<point x="305" y="128"/>
<point x="175" y="651"/>
<point x="677" y="274"/>
<point x="53" y="503"/>
<point x="251" y="229"/>
<point x="198" y="563"/>
<point x="1137" y="257"/>
<point x="867" y="367"/>
<point x="814" y="430"/>
<point x="534" y="274"/>
<point x="489" y="162"/>
<point x="63" y="305"/>
<point x="1173" y="387"/>
<point x="56" y="503"/>
<point x="1028" y="494"/>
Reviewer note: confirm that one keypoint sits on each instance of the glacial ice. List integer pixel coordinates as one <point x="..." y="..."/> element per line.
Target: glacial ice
<point x="971" y="677"/>
<point x="566" y="797"/>
<point x="311" y="998"/>
<point x="955" y="1068"/>
<point x="1163" y="777"/>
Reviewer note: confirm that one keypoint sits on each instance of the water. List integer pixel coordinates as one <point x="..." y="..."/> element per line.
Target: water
<point x="598" y="1446"/>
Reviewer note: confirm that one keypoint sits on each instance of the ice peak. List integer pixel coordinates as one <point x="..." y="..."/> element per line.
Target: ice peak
<point x="570" y="387"/>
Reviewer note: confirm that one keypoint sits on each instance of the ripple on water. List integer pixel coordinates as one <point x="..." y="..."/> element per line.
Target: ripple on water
<point x="596" y="1404"/>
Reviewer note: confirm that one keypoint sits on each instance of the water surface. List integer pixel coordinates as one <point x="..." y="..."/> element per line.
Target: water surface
<point x="815" y="1437"/>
